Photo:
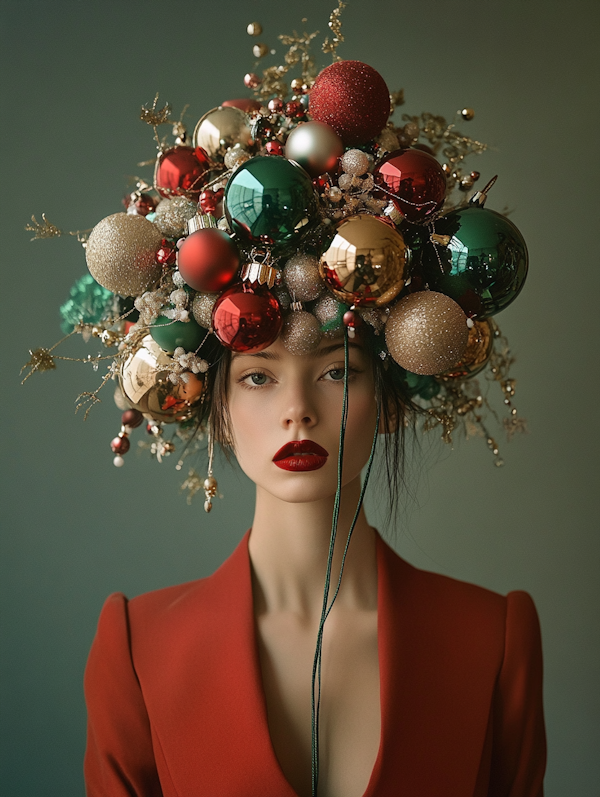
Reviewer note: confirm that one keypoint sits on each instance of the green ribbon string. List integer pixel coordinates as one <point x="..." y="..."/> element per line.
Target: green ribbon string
<point x="326" y="608"/>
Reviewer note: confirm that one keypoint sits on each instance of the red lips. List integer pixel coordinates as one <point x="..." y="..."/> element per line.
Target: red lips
<point x="301" y="455"/>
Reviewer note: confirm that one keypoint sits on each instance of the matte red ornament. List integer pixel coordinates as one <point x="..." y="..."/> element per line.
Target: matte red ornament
<point x="166" y="254"/>
<point x="415" y="182"/>
<point x="208" y="260"/>
<point x="180" y="172"/>
<point x="120" y="445"/>
<point x="353" y="98"/>
<point x="246" y="318"/>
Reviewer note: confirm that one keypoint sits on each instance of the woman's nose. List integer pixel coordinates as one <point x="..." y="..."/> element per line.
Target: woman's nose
<point x="297" y="407"/>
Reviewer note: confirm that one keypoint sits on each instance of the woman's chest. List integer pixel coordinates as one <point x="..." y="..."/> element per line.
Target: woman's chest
<point x="350" y="715"/>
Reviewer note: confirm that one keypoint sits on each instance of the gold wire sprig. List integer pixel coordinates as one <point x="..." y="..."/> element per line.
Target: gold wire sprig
<point x="330" y="45"/>
<point x="396" y="100"/>
<point x="155" y="117"/>
<point x="45" y="229"/>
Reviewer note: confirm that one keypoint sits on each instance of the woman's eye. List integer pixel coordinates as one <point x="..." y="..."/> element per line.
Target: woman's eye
<point x="337" y="374"/>
<point x="257" y="379"/>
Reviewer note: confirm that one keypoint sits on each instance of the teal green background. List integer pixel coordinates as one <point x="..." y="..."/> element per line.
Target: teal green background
<point x="74" y="528"/>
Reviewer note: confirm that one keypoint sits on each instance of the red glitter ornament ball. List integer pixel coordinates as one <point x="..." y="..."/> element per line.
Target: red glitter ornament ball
<point x="180" y="172"/>
<point x="208" y="260"/>
<point x="415" y="182"/>
<point x="353" y="98"/>
<point x="246" y="318"/>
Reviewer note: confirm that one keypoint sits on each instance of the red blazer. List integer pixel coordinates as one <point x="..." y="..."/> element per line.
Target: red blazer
<point x="176" y="706"/>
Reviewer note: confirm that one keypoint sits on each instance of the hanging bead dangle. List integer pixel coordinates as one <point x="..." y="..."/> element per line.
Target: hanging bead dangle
<point x="210" y="483"/>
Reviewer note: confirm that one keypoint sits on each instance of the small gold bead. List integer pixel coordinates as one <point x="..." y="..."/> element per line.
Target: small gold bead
<point x="254" y="29"/>
<point x="467" y="114"/>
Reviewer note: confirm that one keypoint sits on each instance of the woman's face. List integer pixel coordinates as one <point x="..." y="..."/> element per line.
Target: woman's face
<point x="276" y="398"/>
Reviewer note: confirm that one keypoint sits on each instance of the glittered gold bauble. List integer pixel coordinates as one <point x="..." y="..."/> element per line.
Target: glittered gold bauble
<point x="479" y="348"/>
<point x="202" y="308"/>
<point x="330" y="314"/>
<point x="427" y="333"/>
<point x="144" y="381"/>
<point x="302" y="279"/>
<point x="172" y="215"/>
<point x="221" y="128"/>
<point x="315" y="146"/>
<point x="301" y="332"/>
<point x="121" y="254"/>
<point x="365" y="262"/>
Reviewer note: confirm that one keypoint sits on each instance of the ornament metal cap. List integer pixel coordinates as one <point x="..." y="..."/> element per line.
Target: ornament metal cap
<point x="261" y="273"/>
<point x="479" y="197"/>
<point x="201" y="221"/>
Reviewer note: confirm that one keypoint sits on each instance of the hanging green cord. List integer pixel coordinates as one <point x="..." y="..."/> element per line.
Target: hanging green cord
<point x="316" y="674"/>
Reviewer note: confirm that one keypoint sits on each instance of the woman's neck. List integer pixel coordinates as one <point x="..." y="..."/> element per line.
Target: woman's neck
<point x="288" y="549"/>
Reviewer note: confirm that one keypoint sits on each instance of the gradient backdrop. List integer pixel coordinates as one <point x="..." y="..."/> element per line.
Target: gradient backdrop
<point x="74" y="528"/>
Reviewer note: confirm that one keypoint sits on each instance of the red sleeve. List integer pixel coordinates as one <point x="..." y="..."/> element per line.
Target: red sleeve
<point x="119" y="760"/>
<point x="519" y="757"/>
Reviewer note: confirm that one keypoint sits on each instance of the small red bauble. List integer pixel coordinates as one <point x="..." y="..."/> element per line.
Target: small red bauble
<point x="132" y="418"/>
<point x="209" y="200"/>
<point x="166" y="254"/>
<point x="246" y="318"/>
<point x="180" y="172"/>
<point x="275" y="105"/>
<point x="415" y="182"/>
<point x="252" y="80"/>
<point x="120" y="445"/>
<point x="353" y="98"/>
<point x="274" y="148"/>
<point x="208" y="260"/>
<point x="142" y="204"/>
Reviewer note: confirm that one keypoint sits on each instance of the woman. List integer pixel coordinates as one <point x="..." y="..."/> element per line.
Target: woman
<point x="429" y="686"/>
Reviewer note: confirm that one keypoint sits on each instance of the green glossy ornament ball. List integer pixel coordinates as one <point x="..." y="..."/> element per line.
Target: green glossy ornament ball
<point x="270" y="200"/>
<point x="484" y="265"/>
<point x="171" y="335"/>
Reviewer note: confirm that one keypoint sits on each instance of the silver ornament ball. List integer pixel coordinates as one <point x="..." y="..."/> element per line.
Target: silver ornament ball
<point x="301" y="277"/>
<point x="315" y="146"/>
<point x="301" y="333"/>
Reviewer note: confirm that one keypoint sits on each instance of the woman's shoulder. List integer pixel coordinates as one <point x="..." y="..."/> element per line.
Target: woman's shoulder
<point x="450" y="599"/>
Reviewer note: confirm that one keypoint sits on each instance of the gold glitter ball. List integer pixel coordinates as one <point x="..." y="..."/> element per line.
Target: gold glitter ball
<point x="121" y="254"/>
<point x="427" y="333"/>
<point x="301" y="332"/>
<point x="172" y="215"/>
<point x="301" y="277"/>
<point x="202" y="308"/>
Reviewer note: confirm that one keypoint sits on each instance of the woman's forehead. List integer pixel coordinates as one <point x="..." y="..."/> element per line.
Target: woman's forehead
<point x="277" y="351"/>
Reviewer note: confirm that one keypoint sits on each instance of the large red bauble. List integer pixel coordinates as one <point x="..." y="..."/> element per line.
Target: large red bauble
<point x="180" y="172"/>
<point x="415" y="182"/>
<point x="246" y="318"/>
<point x="208" y="260"/>
<point x="353" y="98"/>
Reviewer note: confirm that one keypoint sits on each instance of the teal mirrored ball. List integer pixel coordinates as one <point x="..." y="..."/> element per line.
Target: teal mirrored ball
<point x="270" y="200"/>
<point x="483" y="267"/>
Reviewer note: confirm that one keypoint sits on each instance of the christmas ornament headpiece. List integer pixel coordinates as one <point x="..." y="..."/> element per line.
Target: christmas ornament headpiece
<point x="301" y="213"/>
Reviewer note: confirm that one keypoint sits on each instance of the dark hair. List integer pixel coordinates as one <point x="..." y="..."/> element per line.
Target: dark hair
<point x="398" y="412"/>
